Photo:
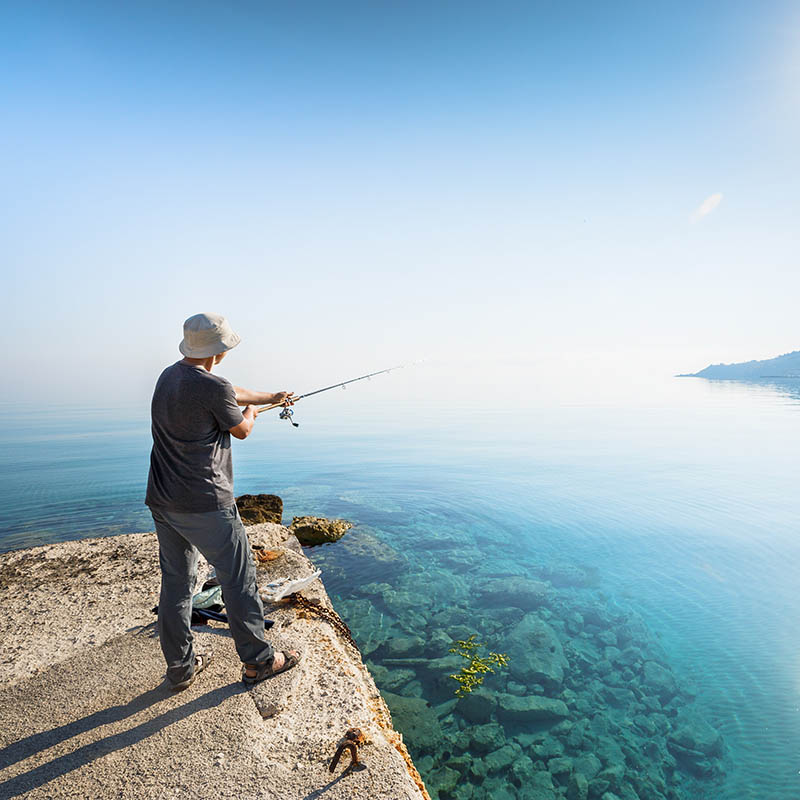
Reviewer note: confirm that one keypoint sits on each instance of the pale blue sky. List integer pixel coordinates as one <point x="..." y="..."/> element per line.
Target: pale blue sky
<point x="498" y="185"/>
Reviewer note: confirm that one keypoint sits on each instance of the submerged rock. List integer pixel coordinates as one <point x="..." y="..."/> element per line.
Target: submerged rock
<point x="540" y="788"/>
<point x="437" y="643"/>
<point x="574" y="622"/>
<point x="530" y="708"/>
<point x="609" y="752"/>
<point x="535" y="653"/>
<point x="443" y="780"/>
<point x="608" y="638"/>
<point x="550" y="747"/>
<point x="496" y="789"/>
<point x="692" y="732"/>
<point x="659" y="680"/>
<point x="613" y="774"/>
<point x="578" y="788"/>
<point x="478" y="706"/>
<point x="588" y="765"/>
<point x="448" y="663"/>
<point x="257" y="508"/>
<point x="522" y="769"/>
<point x="503" y="758"/>
<point x="394" y="679"/>
<point x="401" y="646"/>
<point x="630" y="657"/>
<point x="524" y="593"/>
<point x="312" y="531"/>
<point x="485" y="738"/>
<point x="416" y="720"/>
<point x="362" y="552"/>
<point x="367" y="624"/>
<point x="568" y="575"/>
<point x="561" y="767"/>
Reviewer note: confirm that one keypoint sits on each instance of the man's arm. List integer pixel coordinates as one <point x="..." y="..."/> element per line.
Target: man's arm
<point x="243" y="429"/>
<point x="247" y="397"/>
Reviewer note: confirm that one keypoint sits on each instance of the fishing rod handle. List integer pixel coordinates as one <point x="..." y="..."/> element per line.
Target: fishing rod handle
<point x="276" y="405"/>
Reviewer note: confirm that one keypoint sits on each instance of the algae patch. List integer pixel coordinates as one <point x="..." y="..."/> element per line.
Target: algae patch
<point x="471" y="675"/>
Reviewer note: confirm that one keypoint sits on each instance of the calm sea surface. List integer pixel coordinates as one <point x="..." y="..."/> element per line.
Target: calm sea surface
<point x="683" y="506"/>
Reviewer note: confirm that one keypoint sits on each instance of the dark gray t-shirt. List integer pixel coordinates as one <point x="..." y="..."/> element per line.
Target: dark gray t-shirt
<point x="190" y="464"/>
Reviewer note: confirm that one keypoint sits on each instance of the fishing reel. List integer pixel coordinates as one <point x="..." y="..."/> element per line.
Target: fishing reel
<point x="287" y="413"/>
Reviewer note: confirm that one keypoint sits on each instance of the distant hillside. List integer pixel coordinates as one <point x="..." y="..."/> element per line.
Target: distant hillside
<point x="785" y="366"/>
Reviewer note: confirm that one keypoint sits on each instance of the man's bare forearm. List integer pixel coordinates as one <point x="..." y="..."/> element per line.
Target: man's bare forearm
<point x="247" y="397"/>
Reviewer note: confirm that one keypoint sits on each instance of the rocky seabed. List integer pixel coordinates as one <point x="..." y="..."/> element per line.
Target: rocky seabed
<point x="588" y="706"/>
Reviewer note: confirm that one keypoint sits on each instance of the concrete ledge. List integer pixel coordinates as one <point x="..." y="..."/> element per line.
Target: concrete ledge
<point x="84" y="711"/>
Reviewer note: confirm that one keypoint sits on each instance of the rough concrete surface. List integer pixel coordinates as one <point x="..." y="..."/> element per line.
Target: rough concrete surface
<point x="85" y="712"/>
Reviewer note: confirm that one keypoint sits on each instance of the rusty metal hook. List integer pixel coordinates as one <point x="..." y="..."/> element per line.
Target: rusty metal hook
<point x="351" y="741"/>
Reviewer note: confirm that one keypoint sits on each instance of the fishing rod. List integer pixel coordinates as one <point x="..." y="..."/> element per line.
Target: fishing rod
<point x="286" y="411"/>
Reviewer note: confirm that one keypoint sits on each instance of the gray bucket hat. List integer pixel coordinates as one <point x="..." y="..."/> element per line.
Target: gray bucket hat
<point x="207" y="335"/>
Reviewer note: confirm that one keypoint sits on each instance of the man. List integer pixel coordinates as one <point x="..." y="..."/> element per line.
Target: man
<point x="190" y="495"/>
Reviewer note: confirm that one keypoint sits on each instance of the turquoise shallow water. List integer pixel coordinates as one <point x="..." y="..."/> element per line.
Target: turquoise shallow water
<point x="681" y="511"/>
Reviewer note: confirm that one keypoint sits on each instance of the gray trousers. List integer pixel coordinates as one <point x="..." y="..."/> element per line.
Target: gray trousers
<point x="221" y="538"/>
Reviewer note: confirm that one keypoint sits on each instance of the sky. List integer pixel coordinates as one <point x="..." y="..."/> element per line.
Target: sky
<point x="505" y="189"/>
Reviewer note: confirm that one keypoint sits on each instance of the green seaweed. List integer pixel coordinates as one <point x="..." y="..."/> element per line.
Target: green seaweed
<point x="472" y="674"/>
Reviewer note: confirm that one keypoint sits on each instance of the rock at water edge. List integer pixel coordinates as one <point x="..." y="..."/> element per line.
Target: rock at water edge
<point x="257" y="508"/>
<point x="312" y="531"/>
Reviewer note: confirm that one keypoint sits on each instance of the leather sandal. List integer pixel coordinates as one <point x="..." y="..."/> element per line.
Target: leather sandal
<point x="201" y="661"/>
<point x="265" y="670"/>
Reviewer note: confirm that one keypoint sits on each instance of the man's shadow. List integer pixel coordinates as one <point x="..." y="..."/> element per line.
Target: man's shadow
<point x="317" y="793"/>
<point x="38" y="776"/>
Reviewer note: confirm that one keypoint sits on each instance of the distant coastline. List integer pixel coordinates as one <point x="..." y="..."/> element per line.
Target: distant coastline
<point x="785" y="366"/>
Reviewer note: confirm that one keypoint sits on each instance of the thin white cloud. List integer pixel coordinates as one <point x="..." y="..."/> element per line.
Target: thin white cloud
<point x="706" y="207"/>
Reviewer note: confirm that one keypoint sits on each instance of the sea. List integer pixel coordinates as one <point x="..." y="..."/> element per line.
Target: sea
<point x="675" y="511"/>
